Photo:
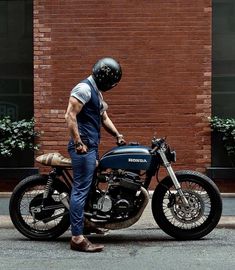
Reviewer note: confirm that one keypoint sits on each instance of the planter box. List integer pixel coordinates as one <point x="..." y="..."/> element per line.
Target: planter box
<point x="10" y="177"/>
<point x="221" y="173"/>
<point x="224" y="177"/>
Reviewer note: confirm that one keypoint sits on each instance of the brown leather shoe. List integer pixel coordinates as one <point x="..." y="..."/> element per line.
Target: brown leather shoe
<point x="86" y="246"/>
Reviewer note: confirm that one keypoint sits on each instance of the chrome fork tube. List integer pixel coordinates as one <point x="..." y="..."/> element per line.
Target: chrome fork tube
<point x="174" y="179"/>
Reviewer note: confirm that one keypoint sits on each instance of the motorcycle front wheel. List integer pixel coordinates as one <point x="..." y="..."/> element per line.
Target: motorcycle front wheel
<point x="32" y="220"/>
<point x="195" y="220"/>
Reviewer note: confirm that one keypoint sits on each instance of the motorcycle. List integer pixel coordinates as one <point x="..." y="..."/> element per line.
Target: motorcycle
<point x="185" y="204"/>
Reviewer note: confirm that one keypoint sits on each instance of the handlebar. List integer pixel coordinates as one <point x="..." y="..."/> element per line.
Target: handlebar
<point x="121" y="144"/>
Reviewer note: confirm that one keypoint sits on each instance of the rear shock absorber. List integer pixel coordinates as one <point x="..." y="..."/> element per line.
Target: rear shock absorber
<point x="49" y="184"/>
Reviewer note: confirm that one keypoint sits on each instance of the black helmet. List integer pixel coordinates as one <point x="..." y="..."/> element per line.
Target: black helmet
<point x="107" y="73"/>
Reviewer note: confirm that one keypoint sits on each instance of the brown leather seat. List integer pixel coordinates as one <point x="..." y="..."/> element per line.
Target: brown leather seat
<point x="54" y="160"/>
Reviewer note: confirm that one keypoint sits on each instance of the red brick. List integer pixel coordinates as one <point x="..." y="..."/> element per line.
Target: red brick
<point x="165" y="51"/>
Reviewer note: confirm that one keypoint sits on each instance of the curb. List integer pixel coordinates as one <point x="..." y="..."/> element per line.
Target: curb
<point x="224" y="195"/>
<point x="5" y="194"/>
<point x="5" y="222"/>
<point x="227" y="222"/>
<point x="145" y="221"/>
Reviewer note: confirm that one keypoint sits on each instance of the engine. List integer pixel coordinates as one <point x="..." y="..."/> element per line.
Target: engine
<point x="118" y="201"/>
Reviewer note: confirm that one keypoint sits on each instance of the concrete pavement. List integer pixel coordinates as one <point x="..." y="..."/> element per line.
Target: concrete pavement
<point x="227" y="220"/>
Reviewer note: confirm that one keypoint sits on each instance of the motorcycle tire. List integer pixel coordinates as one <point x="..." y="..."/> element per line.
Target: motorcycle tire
<point x="190" y="222"/>
<point x="28" y="194"/>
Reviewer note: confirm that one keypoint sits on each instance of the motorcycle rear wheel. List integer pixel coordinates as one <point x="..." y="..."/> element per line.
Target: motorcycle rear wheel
<point x="27" y="196"/>
<point x="192" y="222"/>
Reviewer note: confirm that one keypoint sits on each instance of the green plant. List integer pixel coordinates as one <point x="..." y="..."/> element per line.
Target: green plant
<point x="226" y="126"/>
<point x="17" y="135"/>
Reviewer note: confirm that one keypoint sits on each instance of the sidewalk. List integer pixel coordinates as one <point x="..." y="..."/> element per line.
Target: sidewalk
<point x="227" y="220"/>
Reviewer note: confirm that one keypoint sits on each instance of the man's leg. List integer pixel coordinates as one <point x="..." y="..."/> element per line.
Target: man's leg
<point x="83" y="169"/>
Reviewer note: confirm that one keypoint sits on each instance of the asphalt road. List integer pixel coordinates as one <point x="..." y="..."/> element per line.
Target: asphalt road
<point x="135" y="248"/>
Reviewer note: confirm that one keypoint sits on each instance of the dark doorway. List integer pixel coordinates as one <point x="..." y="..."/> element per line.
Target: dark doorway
<point x="16" y="65"/>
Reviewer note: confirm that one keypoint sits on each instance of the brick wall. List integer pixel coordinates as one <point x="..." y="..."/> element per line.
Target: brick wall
<point x="164" y="48"/>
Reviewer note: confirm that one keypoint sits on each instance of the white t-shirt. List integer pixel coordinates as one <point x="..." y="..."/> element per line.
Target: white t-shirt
<point x="82" y="92"/>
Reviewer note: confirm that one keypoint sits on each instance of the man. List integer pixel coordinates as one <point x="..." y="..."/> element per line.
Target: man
<point x="85" y="113"/>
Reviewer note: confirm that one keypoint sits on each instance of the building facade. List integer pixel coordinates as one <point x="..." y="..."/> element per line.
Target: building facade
<point x="166" y="52"/>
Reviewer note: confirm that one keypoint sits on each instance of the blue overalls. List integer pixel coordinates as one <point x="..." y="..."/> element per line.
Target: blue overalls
<point x="89" y="121"/>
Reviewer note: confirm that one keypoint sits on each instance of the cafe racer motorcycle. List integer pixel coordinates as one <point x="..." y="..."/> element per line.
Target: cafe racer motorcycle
<point x="185" y="204"/>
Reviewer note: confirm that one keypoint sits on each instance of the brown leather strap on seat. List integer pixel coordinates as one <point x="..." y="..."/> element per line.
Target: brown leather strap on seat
<point x="54" y="159"/>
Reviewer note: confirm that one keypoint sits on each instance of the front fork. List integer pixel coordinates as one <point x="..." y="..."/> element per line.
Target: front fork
<point x="174" y="179"/>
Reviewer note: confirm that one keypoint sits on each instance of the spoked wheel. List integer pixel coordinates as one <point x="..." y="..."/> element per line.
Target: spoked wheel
<point x="35" y="218"/>
<point x="192" y="221"/>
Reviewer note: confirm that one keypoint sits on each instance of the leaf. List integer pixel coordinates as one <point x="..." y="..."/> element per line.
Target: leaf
<point x="18" y="134"/>
<point x="225" y="126"/>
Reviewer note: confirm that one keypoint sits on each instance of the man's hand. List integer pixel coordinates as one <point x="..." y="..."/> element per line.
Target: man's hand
<point x="120" y="140"/>
<point x="81" y="148"/>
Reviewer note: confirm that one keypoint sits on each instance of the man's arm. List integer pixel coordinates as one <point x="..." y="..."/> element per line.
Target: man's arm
<point x="110" y="127"/>
<point x="74" y="107"/>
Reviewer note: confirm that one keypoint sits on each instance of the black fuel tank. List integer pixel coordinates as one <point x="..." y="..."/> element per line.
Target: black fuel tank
<point x="130" y="157"/>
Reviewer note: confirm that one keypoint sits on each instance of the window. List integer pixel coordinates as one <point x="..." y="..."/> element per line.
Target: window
<point x="16" y="61"/>
<point x="223" y="67"/>
<point x="3" y="18"/>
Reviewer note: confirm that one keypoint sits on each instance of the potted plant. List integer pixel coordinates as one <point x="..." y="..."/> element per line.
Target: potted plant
<point x="16" y="137"/>
<point x="226" y="127"/>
